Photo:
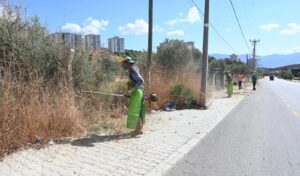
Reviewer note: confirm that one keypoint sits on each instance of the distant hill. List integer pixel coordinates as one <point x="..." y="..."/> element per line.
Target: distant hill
<point x="286" y="67"/>
<point x="268" y="61"/>
<point x="276" y="60"/>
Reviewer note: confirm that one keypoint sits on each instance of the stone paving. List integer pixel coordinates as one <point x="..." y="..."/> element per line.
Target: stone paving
<point x="167" y="137"/>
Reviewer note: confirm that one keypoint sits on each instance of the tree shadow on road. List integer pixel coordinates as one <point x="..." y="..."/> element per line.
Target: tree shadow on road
<point x="88" y="141"/>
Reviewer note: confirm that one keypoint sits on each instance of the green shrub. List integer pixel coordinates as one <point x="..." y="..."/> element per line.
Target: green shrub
<point x="286" y="74"/>
<point x="25" y="46"/>
<point x="173" y="54"/>
<point x="181" y="93"/>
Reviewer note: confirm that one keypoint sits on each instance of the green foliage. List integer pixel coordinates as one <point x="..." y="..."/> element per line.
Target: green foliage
<point x="286" y="74"/>
<point x="228" y="61"/>
<point x="25" y="46"/>
<point x="173" y="54"/>
<point x="84" y="71"/>
<point x="180" y="92"/>
<point x="197" y="55"/>
<point x="216" y="63"/>
<point x="234" y="67"/>
<point x="92" y="74"/>
<point x="28" y="51"/>
<point x="197" y="59"/>
<point x="211" y="59"/>
<point x="108" y="69"/>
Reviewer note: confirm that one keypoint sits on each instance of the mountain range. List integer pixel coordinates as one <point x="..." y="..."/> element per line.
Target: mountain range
<point x="268" y="61"/>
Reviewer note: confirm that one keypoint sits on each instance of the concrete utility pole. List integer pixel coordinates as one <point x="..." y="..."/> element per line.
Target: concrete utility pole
<point x="203" y="91"/>
<point x="150" y="43"/>
<point x="254" y="42"/>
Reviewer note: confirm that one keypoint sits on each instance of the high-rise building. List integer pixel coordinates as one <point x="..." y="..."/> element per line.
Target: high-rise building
<point x="72" y="40"/>
<point x="68" y="39"/>
<point x="92" y="41"/>
<point x="234" y="57"/>
<point x="116" y="45"/>
<point x="57" y="37"/>
<point x="190" y="45"/>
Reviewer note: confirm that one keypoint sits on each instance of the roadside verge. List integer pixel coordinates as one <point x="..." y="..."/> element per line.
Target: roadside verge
<point x="168" y="137"/>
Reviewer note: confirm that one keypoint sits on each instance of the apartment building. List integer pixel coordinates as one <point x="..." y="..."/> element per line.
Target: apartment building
<point x="92" y="41"/>
<point x="68" y="39"/>
<point x="116" y="44"/>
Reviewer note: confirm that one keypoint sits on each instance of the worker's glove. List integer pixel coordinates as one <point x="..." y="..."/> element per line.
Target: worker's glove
<point x="129" y="93"/>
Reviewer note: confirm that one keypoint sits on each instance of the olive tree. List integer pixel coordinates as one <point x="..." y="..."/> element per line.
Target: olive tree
<point x="172" y="54"/>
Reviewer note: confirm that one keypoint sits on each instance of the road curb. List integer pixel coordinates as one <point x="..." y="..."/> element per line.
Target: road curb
<point x="171" y="160"/>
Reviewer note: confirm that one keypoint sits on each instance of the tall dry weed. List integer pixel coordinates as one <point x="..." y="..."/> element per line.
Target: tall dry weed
<point x="162" y="81"/>
<point x="32" y="111"/>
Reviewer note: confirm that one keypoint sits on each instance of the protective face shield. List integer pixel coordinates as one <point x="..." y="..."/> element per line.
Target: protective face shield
<point x="125" y="63"/>
<point x="125" y="66"/>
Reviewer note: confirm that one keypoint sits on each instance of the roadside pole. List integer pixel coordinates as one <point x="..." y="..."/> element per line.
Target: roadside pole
<point x="254" y="42"/>
<point x="203" y="91"/>
<point x="149" y="44"/>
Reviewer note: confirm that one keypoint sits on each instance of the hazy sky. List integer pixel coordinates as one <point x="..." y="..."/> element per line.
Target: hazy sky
<point x="275" y="22"/>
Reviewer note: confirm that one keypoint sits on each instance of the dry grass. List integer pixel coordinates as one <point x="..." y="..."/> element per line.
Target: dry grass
<point x="103" y="113"/>
<point x="30" y="112"/>
<point x="163" y="80"/>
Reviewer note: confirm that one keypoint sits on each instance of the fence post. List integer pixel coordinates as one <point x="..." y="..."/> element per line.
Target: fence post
<point x="69" y="67"/>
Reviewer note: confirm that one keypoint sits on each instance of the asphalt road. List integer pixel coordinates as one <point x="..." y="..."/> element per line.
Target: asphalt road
<point x="260" y="137"/>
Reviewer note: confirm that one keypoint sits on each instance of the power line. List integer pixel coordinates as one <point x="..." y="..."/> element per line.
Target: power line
<point x="244" y="10"/>
<point x="237" y="19"/>
<point x="222" y="38"/>
<point x="212" y="26"/>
